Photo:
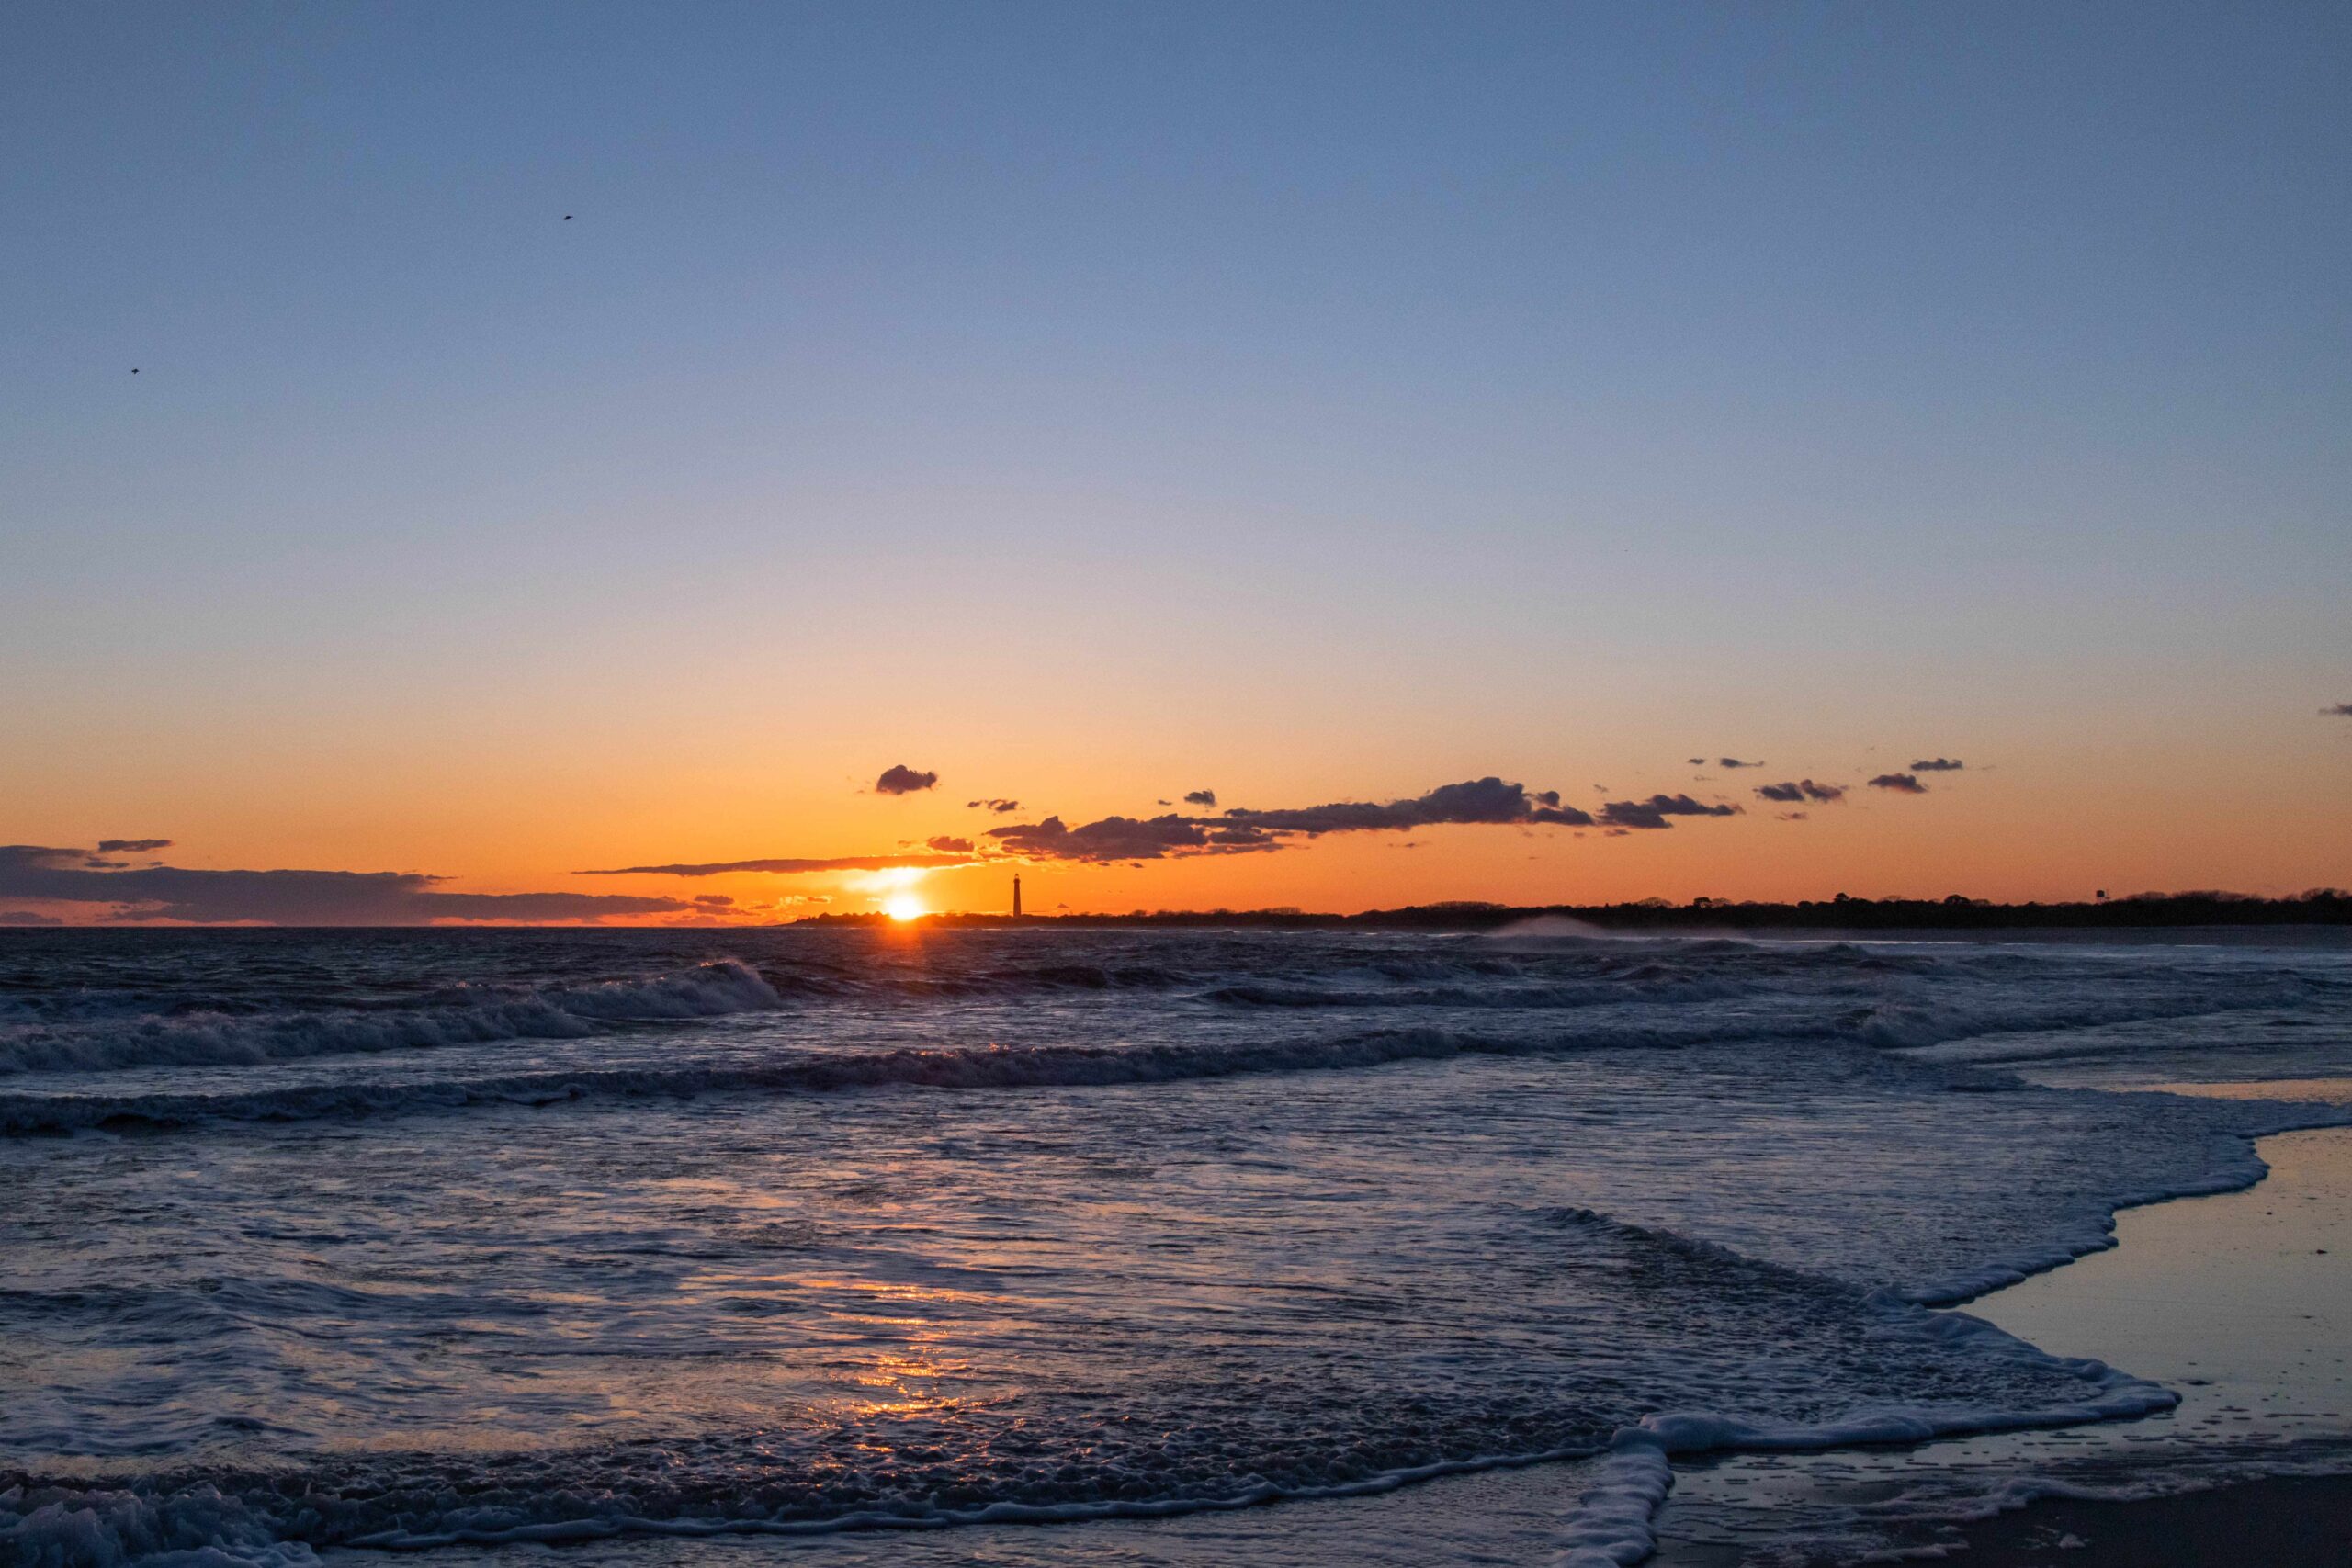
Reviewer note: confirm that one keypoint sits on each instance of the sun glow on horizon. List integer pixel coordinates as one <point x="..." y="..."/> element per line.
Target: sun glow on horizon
<point x="903" y="906"/>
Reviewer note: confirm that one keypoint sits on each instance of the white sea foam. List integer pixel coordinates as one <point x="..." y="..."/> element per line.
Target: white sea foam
<point x="1611" y="1522"/>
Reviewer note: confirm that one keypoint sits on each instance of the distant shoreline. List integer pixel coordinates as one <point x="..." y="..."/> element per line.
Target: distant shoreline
<point x="2325" y="909"/>
<point x="2175" y="912"/>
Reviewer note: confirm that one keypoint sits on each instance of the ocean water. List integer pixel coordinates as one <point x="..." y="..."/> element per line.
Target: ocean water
<point x="450" y="1241"/>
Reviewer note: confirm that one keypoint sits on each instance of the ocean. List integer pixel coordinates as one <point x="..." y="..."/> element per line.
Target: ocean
<point x="895" y="1243"/>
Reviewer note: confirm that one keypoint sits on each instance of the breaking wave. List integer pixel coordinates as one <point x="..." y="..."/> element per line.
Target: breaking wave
<point x="978" y="1067"/>
<point x="1285" y="1437"/>
<point x="462" y="1016"/>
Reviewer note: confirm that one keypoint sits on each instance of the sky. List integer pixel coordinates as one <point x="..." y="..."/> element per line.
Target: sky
<point x="474" y="446"/>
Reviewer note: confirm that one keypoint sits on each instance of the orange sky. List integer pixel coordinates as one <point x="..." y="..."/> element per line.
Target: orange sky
<point x="2033" y="819"/>
<point x="627" y="460"/>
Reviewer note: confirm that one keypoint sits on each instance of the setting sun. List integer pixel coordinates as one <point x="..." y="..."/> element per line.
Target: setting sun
<point x="902" y="907"/>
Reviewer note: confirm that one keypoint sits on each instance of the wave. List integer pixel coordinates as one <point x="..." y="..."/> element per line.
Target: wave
<point x="716" y="1483"/>
<point x="1888" y="1037"/>
<point x="1019" y="981"/>
<point x="459" y="1016"/>
<point x="978" y="1068"/>
<point x="1654" y="990"/>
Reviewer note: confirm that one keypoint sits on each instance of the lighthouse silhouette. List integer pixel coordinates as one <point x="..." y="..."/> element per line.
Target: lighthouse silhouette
<point x="1016" y="897"/>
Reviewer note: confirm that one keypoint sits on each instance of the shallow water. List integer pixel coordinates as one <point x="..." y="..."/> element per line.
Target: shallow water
<point x="2239" y="1302"/>
<point x="308" y="1241"/>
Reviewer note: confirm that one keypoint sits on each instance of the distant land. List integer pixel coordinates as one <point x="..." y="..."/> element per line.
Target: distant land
<point x="2321" y="906"/>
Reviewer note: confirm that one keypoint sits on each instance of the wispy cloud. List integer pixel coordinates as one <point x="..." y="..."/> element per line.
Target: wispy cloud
<point x="2341" y="710"/>
<point x="290" y="898"/>
<point x="132" y="846"/>
<point x="1938" y="765"/>
<point x="1000" y="807"/>
<point x="786" y="865"/>
<point x="1901" y="783"/>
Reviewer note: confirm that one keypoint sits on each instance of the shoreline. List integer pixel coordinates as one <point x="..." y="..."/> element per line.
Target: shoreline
<point x="2239" y="1301"/>
<point x="2009" y="1497"/>
<point x="2267" y="1276"/>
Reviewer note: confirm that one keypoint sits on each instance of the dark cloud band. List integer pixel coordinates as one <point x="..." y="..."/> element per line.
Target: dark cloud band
<point x="1653" y="813"/>
<point x="290" y="898"/>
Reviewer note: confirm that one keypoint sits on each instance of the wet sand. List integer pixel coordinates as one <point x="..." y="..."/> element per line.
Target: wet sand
<point x="2287" y="1522"/>
<point x="2241" y="1303"/>
<point x="2244" y="1302"/>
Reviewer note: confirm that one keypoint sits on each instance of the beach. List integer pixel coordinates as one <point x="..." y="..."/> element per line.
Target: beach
<point x="2240" y="1301"/>
<point x="2245" y="1303"/>
<point x="870" y="1246"/>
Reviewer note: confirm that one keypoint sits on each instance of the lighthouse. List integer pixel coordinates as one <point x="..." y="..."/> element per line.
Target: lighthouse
<point x="1016" y="897"/>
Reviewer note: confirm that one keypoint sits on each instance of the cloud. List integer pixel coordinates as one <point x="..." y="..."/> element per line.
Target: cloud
<point x="1236" y="830"/>
<point x="1734" y="762"/>
<point x="1201" y="798"/>
<point x="1653" y="812"/>
<point x="2341" y="710"/>
<point x="787" y="866"/>
<point x="132" y="846"/>
<point x="1242" y="830"/>
<point x="1697" y="761"/>
<point x="1938" y="765"/>
<point x="1901" y="783"/>
<point x="290" y="898"/>
<point x="1488" y="800"/>
<point x="789" y="901"/>
<point x="1128" y="838"/>
<point x="998" y="807"/>
<point x="899" y="779"/>
<point x="1794" y="817"/>
<point x="27" y="918"/>
<point x="1801" y="789"/>
<point x="715" y="900"/>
